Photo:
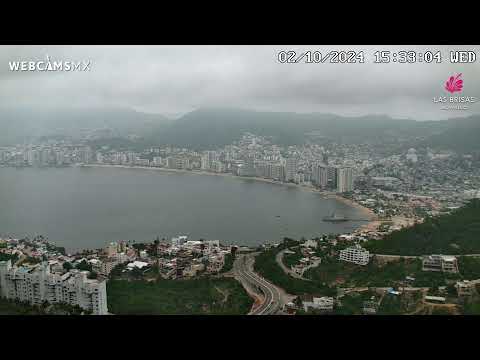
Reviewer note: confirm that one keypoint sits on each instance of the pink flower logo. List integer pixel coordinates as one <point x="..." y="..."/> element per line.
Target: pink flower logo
<point x="454" y="84"/>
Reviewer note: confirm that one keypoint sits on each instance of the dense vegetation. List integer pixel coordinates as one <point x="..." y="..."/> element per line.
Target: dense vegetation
<point x="267" y="266"/>
<point x="454" y="233"/>
<point x="5" y="257"/>
<point x="229" y="259"/>
<point x="205" y="296"/>
<point x="472" y="308"/>
<point x="373" y="275"/>
<point x="210" y="128"/>
<point x="392" y="305"/>
<point x="390" y="274"/>
<point x="461" y="135"/>
<point x="352" y="304"/>
<point x="8" y="307"/>
<point x="292" y="259"/>
<point x="469" y="267"/>
<point x="84" y="266"/>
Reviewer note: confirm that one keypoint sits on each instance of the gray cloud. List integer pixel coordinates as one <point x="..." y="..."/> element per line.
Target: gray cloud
<point x="177" y="79"/>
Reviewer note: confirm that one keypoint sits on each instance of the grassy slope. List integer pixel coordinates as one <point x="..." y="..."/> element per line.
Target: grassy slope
<point x="178" y="297"/>
<point x="455" y="233"/>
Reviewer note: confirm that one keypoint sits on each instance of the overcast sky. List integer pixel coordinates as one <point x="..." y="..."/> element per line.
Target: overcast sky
<point x="173" y="80"/>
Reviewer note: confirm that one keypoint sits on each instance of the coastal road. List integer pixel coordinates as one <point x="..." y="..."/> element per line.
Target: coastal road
<point x="290" y="272"/>
<point x="272" y="299"/>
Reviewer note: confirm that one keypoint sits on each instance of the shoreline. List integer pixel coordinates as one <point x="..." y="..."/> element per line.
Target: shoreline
<point x="372" y="223"/>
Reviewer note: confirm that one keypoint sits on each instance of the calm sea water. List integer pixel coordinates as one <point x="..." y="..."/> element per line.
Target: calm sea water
<point x="89" y="207"/>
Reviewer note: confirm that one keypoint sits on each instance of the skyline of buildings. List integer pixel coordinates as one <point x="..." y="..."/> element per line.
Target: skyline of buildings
<point x="252" y="156"/>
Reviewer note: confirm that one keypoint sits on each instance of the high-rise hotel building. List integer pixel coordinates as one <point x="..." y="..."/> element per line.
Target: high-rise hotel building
<point x="290" y="168"/>
<point x="344" y="179"/>
<point x="320" y="175"/>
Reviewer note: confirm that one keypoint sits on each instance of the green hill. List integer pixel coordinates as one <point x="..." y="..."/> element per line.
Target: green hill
<point x="210" y="128"/>
<point x="461" y="135"/>
<point x="216" y="127"/>
<point x="454" y="233"/>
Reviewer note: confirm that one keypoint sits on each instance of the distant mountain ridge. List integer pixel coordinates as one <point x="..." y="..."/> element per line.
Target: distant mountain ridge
<point x="18" y="125"/>
<point x="216" y="127"/>
<point x="208" y="128"/>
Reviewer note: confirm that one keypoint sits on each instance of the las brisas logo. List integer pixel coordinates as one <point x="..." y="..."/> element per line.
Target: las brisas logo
<point x="454" y="84"/>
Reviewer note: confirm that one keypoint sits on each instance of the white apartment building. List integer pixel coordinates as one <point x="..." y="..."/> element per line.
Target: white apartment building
<point x="443" y="263"/>
<point x="324" y="303"/>
<point x="107" y="266"/>
<point x="320" y="175"/>
<point x="290" y="168"/>
<point x="344" y="179"/>
<point x="37" y="284"/>
<point x="355" y="254"/>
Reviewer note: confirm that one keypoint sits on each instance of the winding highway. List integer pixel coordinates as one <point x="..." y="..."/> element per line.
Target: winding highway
<point x="243" y="269"/>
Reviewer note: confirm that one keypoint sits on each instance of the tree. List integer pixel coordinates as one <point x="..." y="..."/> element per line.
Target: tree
<point x="451" y="290"/>
<point x="92" y="275"/>
<point x="67" y="266"/>
<point x="84" y="266"/>
<point x="137" y="273"/>
<point x="116" y="271"/>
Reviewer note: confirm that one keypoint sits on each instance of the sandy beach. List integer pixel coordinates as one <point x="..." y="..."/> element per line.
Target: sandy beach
<point x="371" y="225"/>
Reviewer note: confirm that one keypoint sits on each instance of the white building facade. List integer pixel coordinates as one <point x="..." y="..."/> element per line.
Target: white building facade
<point x="344" y="179"/>
<point x="320" y="175"/>
<point x="290" y="168"/>
<point x="355" y="254"/>
<point x="37" y="284"/>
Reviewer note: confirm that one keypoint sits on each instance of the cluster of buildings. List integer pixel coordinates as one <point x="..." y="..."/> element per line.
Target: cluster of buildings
<point x="46" y="155"/>
<point x="36" y="271"/>
<point x="309" y="259"/>
<point x="448" y="178"/>
<point x="36" y="284"/>
<point x="179" y="258"/>
<point x="251" y="156"/>
<point x="390" y="184"/>
<point x="409" y="183"/>
<point x="440" y="263"/>
<point x="184" y="258"/>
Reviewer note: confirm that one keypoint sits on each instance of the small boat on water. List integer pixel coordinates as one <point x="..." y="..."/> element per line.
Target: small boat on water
<point x="335" y="218"/>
